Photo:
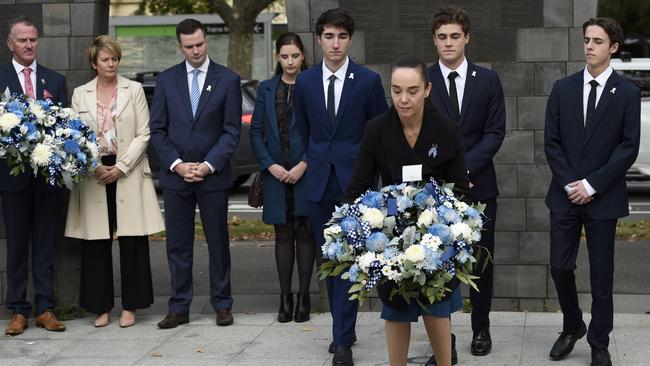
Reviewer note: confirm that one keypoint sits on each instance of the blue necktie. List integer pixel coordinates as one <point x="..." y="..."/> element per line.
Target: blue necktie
<point x="195" y="93"/>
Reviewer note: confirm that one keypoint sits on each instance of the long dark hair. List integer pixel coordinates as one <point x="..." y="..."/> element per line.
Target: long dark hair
<point x="286" y="39"/>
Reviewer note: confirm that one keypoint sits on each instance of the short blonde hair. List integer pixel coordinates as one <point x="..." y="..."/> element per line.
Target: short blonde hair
<point x="103" y="42"/>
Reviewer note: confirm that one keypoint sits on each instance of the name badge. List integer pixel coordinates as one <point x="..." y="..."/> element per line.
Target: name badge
<point x="412" y="173"/>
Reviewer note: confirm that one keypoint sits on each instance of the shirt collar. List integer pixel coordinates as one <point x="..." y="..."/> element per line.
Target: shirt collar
<point x="19" y="68"/>
<point x="340" y="73"/>
<point x="204" y="67"/>
<point x="601" y="79"/>
<point x="461" y="70"/>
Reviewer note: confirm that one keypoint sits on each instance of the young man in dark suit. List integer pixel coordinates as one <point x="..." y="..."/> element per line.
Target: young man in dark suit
<point x="333" y="101"/>
<point x="195" y="123"/>
<point x="472" y="96"/>
<point x="29" y="205"/>
<point x="591" y="139"/>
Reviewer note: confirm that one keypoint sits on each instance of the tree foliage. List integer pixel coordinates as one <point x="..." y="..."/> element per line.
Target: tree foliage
<point x="633" y="15"/>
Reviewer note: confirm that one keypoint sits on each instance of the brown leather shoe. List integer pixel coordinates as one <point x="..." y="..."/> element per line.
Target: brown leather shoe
<point x="224" y="317"/>
<point x="49" y="321"/>
<point x="17" y="325"/>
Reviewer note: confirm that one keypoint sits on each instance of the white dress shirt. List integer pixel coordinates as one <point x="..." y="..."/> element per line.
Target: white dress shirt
<point x="201" y="79"/>
<point x="602" y="80"/>
<point x="460" y="80"/>
<point x="21" y="77"/>
<point x="338" y="83"/>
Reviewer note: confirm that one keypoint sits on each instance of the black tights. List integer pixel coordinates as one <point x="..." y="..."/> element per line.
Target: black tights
<point x="296" y="230"/>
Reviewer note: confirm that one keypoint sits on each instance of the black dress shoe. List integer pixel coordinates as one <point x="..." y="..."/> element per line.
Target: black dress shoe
<point x="342" y="356"/>
<point x="172" y="320"/>
<point x="454" y="354"/>
<point x="331" y="347"/>
<point x="303" y="308"/>
<point x="565" y="342"/>
<point x="481" y="343"/>
<point x="285" y="313"/>
<point x="600" y="357"/>
<point x="224" y="317"/>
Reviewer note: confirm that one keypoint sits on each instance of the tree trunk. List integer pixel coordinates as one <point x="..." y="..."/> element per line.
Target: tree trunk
<point x="240" y="47"/>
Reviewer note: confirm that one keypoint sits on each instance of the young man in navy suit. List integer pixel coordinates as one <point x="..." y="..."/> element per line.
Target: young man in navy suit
<point x="591" y="139"/>
<point x="29" y="205"/>
<point x="472" y="96"/>
<point x="333" y="101"/>
<point x="195" y="123"/>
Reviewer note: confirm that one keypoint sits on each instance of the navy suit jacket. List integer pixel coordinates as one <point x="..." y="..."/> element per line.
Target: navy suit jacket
<point x="265" y="141"/>
<point x="482" y="123"/>
<point x="211" y="136"/>
<point x="362" y="99"/>
<point x="601" y="153"/>
<point x="46" y="79"/>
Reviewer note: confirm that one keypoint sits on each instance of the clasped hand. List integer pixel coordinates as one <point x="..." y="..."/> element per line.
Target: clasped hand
<point x="578" y="193"/>
<point x="192" y="172"/>
<point x="108" y="174"/>
<point x="288" y="176"/>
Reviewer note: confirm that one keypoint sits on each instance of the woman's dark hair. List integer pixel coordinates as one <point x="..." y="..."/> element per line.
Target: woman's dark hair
<point x="335" y="18"/>
<point x="286" y="39"/>
<point x="412" y="62"/>
<point x="610" y="26"/>
<point x="187" y="27"/>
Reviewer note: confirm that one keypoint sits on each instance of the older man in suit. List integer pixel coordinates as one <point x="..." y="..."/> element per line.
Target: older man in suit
<point x="29" y="205"/>
<point x="195" y="123"/>
<point x="472" y="96"/>
<point x="591" y="139"/>
<point x="333" y="101"/>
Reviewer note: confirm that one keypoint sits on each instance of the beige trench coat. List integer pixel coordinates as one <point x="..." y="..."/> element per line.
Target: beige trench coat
<point x="138" y="212"/>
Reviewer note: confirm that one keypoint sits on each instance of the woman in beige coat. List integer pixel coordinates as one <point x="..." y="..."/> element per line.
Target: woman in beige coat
<point x="120" y="199"/>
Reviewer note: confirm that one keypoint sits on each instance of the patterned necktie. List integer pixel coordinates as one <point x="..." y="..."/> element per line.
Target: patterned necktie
<point x="453" y="94"/>
<point x="195" y="93"/>
<point x="29" y="87"/>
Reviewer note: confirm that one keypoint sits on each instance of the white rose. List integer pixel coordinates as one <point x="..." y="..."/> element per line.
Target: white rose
<point x="461" y="206"/>
<point x="41" y="154"/>
<point x="374" y="217"/>
<point x="461" y="230"/>
<point x="37" y="110"/>
<point x="415" y="253"/>
<point x="430" y="241"/>
<point x="364" y="261"/>
<point x="8" y="121"/>
<point x="332" y="231"/>
<point x="426" y="218"/>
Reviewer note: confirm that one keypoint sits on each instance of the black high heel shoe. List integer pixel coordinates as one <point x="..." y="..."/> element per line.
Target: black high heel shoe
<point x="303" y="308"/>
<point x="286" y="308"/>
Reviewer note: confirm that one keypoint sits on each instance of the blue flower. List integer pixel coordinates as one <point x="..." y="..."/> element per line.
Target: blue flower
<point x="332" y="249"/>
<point x="75" y="124"/>
<point x="431" y="259"/>
<point x="472" y="212"/>
<point x="71" y="147"/>
<point x="349" y="225"/>
<point x="15" y="108"/>
<point x="391" y="252"/>
<point x="376" y="242"/>
<point x="353" y="273"/>
<point x="373" y="199"/>
<point x="449" y="215"/>
<point x="422" y="198"/>
<point x="403" y="203"/>
<point x="443" y="232"/>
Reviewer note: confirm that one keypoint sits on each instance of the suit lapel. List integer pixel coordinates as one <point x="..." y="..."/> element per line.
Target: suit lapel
<point x="470" y="82"/>
<point x="348" y="86"/>
<point x="184" y="91"/>
<point x="89" y="99"/>
<point x="210" y="84"/>
<point x="12" y="79"/>
<point x="271" y="90"/>
<point x="320" y="93"/>
<point x="578" y="105"/>
<point x="122" y="95"/>
<point x="440" y="88"/>
<point x="41" y="81"/>
<point x="605" y="98"/>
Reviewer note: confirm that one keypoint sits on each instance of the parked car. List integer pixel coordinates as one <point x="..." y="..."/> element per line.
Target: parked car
<point x="638" y="72"/>
<point x="243" y="161"/>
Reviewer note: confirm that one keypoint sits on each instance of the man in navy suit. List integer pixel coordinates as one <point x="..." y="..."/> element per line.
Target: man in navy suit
<point x="591" y="139"/>
<point x="333" y="101"/>
<point x="195" y="123"/>
<point x="471" y="95"/>
<point x="29" y="205"/>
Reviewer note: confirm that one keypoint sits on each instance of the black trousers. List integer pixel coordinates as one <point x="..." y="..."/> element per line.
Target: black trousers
<point x="97" y="294"/>
<point x="482" y="300"/>
<point x="565" y="240"/>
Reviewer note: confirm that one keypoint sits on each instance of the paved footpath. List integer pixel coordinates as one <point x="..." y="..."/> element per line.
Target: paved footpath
<point x="257" y="339"/>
